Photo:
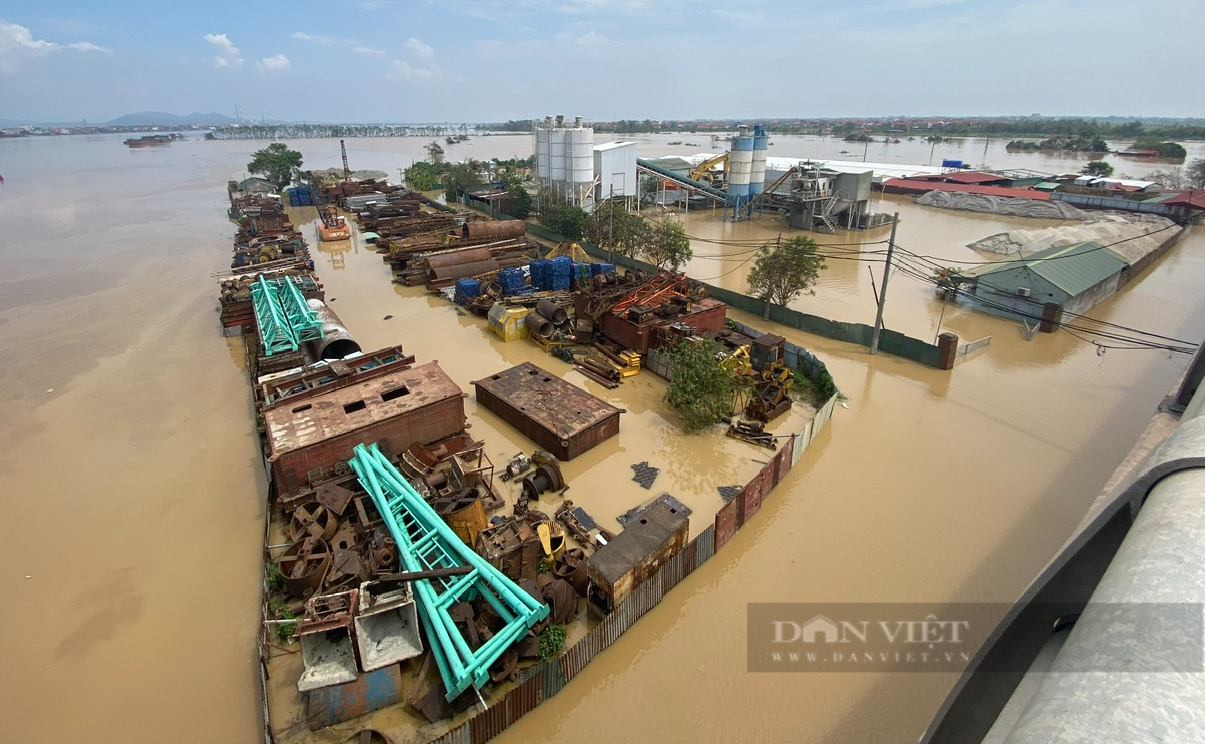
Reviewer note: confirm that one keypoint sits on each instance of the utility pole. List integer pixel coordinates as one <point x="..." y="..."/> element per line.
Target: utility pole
<point x="878" y="318"/>
<point x="611" y="225"/>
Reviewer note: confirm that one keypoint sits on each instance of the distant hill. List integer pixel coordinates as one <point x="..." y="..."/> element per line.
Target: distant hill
<point x="149" y="118"/>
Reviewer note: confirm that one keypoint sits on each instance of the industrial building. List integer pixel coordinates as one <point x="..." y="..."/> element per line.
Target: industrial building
<point x="615" y="170"/>
<point x="1074" y="277"/>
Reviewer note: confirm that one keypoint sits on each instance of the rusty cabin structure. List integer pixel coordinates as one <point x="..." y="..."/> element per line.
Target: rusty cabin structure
<point x="421" y="405"/>
<point x="656" y="534"/>
<point x="557" y="415"/>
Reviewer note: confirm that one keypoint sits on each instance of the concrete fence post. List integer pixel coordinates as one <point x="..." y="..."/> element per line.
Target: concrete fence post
<point x="1050" y="317"/>
<point x="947" y="350"/>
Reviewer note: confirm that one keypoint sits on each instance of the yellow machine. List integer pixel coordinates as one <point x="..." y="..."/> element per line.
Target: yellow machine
<point x="702" y="171"/>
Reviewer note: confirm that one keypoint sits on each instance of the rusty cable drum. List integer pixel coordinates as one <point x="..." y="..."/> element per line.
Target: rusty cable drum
<point x="320" y="523"/>
<point x="571" y="566"/>
<point x="303" y="566"/>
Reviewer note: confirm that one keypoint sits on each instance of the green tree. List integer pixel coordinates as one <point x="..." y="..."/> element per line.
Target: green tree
<point x="421" y="176"/>
<point x="563" y="218"/>
<point x="520" y="200"/>
<point x="1194" y="174"/>
<point x="460" y="177"/>
<point x="701" y="392"/>
<point x="613" y="227"/>
<point x="1098" y="168"/>
<point x="277" y="163"/>
<point x="667" y="246"/>
<point x="785" y="269"/>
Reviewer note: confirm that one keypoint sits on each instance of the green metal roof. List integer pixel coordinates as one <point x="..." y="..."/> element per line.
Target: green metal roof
<point x="673" y="163"/>
<point x="1072" y="268"/>
<point x="1046" y="186"/>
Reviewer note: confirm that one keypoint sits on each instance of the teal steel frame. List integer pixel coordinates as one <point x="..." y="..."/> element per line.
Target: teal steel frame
<point x="425" y="541"/>
<point x="274" y="329"/>
<point x="284" y="318"/>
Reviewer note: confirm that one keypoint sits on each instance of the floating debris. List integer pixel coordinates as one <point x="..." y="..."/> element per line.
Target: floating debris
<point x="728" y="493"/>
<point x="645" y="474"/>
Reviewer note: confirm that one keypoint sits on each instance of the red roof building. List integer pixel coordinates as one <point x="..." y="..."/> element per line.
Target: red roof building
<point x="918" y="186"/>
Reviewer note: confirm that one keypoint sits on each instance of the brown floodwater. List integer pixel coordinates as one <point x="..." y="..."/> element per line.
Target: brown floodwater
<point x="134" y="494"/>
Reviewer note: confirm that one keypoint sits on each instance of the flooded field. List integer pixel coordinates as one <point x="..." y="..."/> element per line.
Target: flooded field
<point x="129" y="468"/>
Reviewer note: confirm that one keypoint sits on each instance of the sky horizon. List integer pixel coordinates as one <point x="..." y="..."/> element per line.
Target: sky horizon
<point x="605" y="60"/>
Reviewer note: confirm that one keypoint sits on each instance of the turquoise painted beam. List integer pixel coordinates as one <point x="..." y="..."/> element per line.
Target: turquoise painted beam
<point x="425" y="541"/>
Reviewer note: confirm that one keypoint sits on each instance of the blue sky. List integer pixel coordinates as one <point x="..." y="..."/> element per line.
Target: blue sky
<point x="489" y="60"/>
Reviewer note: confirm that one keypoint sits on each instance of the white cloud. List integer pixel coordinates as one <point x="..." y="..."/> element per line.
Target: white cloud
<point x="224" y="45"/>
<point x="318" y="38"/>
<point x="591" y="38"/>
<point x="407" y="71"/>
<point x="277" y="63"/>
<point x="368" y="51"/>
<point x="420" y="49"/>
<point x="18" y="44"/>
<point x="220" y="62"/>
<point x="424" y="57"/>
<point x="87" y="46"/>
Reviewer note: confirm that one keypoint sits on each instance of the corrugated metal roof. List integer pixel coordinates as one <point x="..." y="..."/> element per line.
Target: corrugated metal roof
<point x="613" y="145"/>
<point x="1194" y="199"/>
<point x="969" y="177"/>
<point x="672" y="163"/>
<point x="1072" y="268"/>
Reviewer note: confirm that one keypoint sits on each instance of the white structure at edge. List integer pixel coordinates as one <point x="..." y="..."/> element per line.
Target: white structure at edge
<point x="565" y="159"/>
<point x="615" y="167"/>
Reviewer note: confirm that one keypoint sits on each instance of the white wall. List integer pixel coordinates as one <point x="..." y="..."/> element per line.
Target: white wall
<point x="616" y="169"/>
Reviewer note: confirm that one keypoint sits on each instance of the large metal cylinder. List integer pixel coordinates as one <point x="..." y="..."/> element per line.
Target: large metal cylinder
<point x="469" y="255"/>
<point x="337" y="342"/>
<point x="461" y="271"/>
<point x="494" y="229"/>
<point x="551" y="311"/>
<point x="539" y="325"/>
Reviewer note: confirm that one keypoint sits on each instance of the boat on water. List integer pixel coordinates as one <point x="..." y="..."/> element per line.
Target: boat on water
<point x="151" y="140"/>
<point x="333" y="226"/>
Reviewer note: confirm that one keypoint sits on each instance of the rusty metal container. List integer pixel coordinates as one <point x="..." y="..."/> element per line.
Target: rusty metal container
<point x="464" y="513"/>
<point x="551" y="311"/>
<point x="337" y="342"/>
<point x="368" y="692"/>
<point x="498" y="229"/>
<point x="421" y="405"/>
<point x="539" y="325"/>
<point x="655" y="535"/>
<point x="557" y="415"/>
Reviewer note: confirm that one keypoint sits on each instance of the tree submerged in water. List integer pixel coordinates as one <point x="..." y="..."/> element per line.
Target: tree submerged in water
<point x="1098" y="168"/>
<point x="277" y="163"/>
<point x="784" y="270"/>
<point x="702" y="392"/>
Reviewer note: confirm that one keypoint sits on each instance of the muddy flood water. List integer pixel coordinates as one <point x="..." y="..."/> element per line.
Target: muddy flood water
<point x="134" y="494"/>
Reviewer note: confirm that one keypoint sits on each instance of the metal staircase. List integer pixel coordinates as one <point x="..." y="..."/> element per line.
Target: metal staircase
<point x="426" y="542"/>
<point x="824" y="215"/>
